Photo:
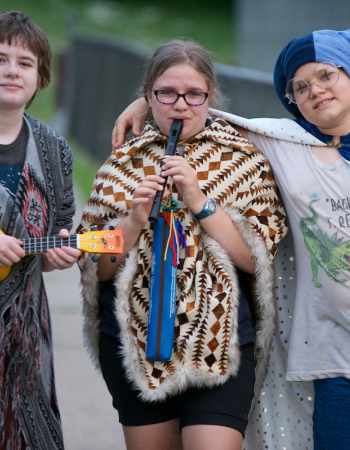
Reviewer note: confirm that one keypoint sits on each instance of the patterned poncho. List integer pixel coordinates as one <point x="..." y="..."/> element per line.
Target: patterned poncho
<point x="206" y="348"/>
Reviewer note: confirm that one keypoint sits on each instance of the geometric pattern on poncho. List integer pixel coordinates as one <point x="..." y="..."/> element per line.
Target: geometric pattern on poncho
<point x="231" y="171"/>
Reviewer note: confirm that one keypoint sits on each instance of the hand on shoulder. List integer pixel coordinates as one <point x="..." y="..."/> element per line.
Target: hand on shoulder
<point x="132" y="118"/>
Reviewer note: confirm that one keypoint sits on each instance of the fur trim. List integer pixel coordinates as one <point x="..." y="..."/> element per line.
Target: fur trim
<point x="264" y="296"/>
<point x="207" y="347"/>
<point x="188" y="375"/>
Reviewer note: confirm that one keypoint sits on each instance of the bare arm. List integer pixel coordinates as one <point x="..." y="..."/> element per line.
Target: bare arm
<point x="222" y="228"/>
<point x="133" y="117"/>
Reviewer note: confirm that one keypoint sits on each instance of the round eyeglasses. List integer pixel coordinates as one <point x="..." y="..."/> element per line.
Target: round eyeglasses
<point x="169" y="97"/>
<point x="298" y="90"/>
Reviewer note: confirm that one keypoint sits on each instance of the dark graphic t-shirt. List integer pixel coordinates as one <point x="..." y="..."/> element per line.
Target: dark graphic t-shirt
<point x="12" y="158"/>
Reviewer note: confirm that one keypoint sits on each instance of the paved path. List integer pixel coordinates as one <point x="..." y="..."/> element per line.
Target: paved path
<point x="89" y="420"/>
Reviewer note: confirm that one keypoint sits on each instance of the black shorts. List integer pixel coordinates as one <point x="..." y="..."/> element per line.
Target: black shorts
<point x="225" y="405"/>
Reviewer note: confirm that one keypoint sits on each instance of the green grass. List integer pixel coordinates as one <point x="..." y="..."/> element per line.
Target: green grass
<point x="145" y="23"/>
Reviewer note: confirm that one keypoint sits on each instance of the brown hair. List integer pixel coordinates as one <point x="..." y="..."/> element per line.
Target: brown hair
<point x="181" y="52"/>
<point x="16" y="27"/>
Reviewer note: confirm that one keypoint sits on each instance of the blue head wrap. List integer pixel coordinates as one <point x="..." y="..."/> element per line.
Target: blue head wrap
<point x="326" y="46"/>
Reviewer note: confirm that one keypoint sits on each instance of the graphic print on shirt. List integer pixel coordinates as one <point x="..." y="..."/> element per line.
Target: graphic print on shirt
<point x="34" y="204"/>
<point x="327" y="251"/>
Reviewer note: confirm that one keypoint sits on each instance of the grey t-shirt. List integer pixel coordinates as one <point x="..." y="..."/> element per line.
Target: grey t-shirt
<point x="317" y="199"/>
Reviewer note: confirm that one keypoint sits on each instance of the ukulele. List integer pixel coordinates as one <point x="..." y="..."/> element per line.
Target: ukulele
<point x="102" y="241"/>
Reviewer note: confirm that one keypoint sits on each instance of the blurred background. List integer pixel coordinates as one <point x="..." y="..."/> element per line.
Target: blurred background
<point x="100" y="48"/>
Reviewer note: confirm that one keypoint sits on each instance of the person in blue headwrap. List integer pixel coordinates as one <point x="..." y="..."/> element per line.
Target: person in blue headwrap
<point x="329" y="51"/>
<point x="310" y="157"/>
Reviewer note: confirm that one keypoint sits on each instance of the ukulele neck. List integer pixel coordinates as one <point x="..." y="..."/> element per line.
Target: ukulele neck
<point x="33" y="246"/>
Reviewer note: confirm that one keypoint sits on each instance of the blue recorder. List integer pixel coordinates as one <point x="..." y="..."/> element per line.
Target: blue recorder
<point x="162" y="312"/>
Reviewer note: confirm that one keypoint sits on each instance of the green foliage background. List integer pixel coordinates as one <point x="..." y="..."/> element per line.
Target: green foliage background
<point x="147" y="23"/>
